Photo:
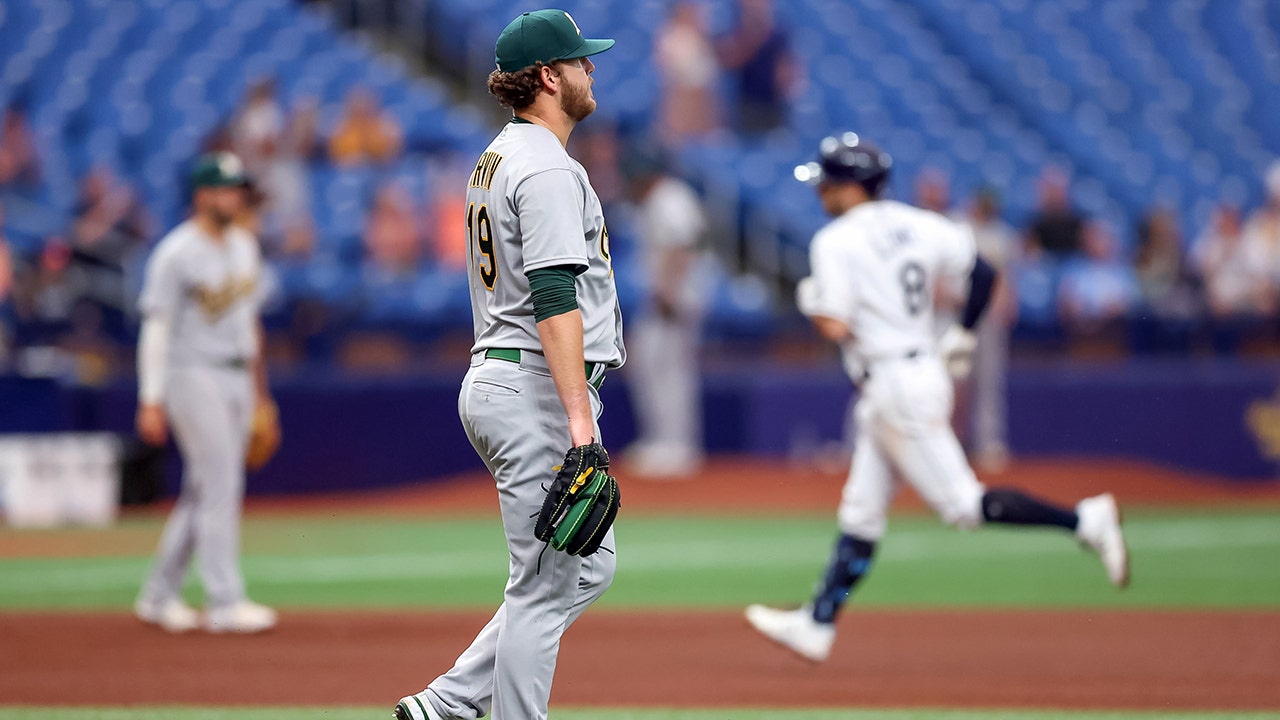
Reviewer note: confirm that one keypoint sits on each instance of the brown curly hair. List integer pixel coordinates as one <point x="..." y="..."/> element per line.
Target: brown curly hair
<point x="518" y="89"/>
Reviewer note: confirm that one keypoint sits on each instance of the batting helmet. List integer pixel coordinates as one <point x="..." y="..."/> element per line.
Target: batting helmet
<point x="848" y="158"/>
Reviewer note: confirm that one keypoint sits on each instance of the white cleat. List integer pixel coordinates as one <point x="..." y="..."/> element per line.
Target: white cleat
<point x="1099" y="529"/>
<point x="172" y="615"/>
<point x="244" y="617"/>
<point x="415" y="707"/>
<point x="795" y="630"/>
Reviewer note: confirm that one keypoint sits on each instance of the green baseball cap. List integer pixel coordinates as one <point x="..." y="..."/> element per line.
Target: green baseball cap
<point x="220" y="169"/>
<point x="543" y="36"/>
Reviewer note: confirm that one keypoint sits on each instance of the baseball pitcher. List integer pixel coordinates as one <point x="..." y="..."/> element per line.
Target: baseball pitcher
<point x="547" y="327"/>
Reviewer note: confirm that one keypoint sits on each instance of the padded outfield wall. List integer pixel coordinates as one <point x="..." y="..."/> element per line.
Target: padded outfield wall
<point x="347" y="433"/>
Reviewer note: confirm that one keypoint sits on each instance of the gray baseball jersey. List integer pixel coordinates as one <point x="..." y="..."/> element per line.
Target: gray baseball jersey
<point x="209" y="291"/>
<point x="531" y="206"/>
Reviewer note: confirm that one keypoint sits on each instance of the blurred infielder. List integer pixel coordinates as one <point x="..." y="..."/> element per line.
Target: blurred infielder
<point x="200" y="369"/>
<point x="547" y="327"/>
<point x="873" y="274"/>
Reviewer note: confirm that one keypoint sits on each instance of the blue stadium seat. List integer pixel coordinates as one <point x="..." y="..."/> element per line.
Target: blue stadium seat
<point x="990" y="91"/>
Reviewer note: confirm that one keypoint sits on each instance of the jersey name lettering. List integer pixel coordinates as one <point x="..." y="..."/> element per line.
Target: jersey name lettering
<point x="487" y="166"/>
<point x="890" y="242"/>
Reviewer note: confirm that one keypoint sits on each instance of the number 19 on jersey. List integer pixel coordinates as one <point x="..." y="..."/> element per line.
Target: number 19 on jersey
<point x="480" y="238"/>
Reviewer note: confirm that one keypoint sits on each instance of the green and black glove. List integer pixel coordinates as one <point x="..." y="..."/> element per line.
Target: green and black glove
<point x="581" y="502"/>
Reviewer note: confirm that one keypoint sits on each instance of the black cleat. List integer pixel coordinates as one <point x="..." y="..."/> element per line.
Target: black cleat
<point x="402" y="712"/>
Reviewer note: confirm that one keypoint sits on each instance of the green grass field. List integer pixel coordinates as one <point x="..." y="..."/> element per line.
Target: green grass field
<point x="1224" y="559"/>
<point x="1220" y="559"/>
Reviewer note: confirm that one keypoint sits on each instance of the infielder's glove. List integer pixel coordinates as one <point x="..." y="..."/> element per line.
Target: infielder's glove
<point x="264" y="435"/>
<point x="956" y="346"/>
<point x="581" y="502"/>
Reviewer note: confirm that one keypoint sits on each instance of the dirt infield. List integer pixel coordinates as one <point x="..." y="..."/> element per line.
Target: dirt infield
<point x="1156" y="660"/>
<point x="1151" y="660"/>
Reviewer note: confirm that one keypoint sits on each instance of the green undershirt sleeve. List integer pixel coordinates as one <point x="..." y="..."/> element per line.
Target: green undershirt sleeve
<point x="553" y="290"/>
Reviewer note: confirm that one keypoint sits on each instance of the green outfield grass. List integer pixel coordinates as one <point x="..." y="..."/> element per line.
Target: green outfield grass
<point x="352" y="713"/>
<point x="1209" y="559"/>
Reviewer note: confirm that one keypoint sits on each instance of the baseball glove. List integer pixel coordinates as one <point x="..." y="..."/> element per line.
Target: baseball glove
<point x="581" y="502"/>
<point x="956" y="346"/>
<point x="264" y="435"/>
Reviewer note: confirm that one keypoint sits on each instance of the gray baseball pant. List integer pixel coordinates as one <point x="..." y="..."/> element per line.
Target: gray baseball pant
<point x="210" y="409"/>
<point x="517" y="424"/>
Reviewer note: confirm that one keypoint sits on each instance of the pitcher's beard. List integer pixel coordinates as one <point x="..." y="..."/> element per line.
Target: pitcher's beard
<point x="576" y="102"/>
<point x="220" y="219"/>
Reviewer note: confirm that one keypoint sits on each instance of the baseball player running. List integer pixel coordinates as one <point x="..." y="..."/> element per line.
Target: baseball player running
<point x="547" y="326"/>
<point x="200" y="370"/>
<point x="874" y="269"/>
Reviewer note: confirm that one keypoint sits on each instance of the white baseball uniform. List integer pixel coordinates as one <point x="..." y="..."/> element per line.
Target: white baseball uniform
<point x="875" y="269"/>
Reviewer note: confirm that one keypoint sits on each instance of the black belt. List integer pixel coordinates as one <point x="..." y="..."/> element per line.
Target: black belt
<point x="908" y="355"/>
<point x="513" y="355"/>
<point x="234" y="363"/>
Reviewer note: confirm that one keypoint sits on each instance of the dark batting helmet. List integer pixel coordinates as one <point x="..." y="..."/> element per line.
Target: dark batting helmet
<point x="848" y="158"/>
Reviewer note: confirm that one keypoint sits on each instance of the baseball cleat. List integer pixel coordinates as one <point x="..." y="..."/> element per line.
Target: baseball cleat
<point x="172" y="616"/>
<point x="413" y="707"/>
<point x="1099" y="529"/>
<point x="795" y="630"/>
<point x="245" y="617"/>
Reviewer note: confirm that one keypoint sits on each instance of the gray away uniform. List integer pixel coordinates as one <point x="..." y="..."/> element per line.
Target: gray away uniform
<point x="529" y="206"/>
<point x="208" y="293"/>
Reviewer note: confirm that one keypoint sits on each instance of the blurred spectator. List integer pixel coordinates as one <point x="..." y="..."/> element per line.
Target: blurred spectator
<point x="258" y="128"/>
<point x="19" y="161"/>
<point x="1232" y="268"/>
<point x="664" y="341"/>
<point x="110" y="231"/>
<point x="275" y="150"/>
<point x="1099" y="288"/>
<point x="7" y="318"/>
<point x="6" y="262"/>
<point x="302" y="136"/>
<point x="1163" y="278"/>
<point x="1057" y="228"/>
<point x="250" y="219"/>
<point x="289" y="185"/>
<point x="1035" y="284"/>
<point x="599" y="149"/>
<point x="110" y="221"/>
<point x="365" y="134"/>
<point x="687" y="64"/>
<point x="933" y="191"/>
<point x="1167" y="302"/>
<point x="46" y="299"/>
<point x="997" y="243"/>
<point x="1263" y="227"/>
<point x="765" y="75"/>
<point x="392" y="239"/>
<point x="446" y="182"/>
